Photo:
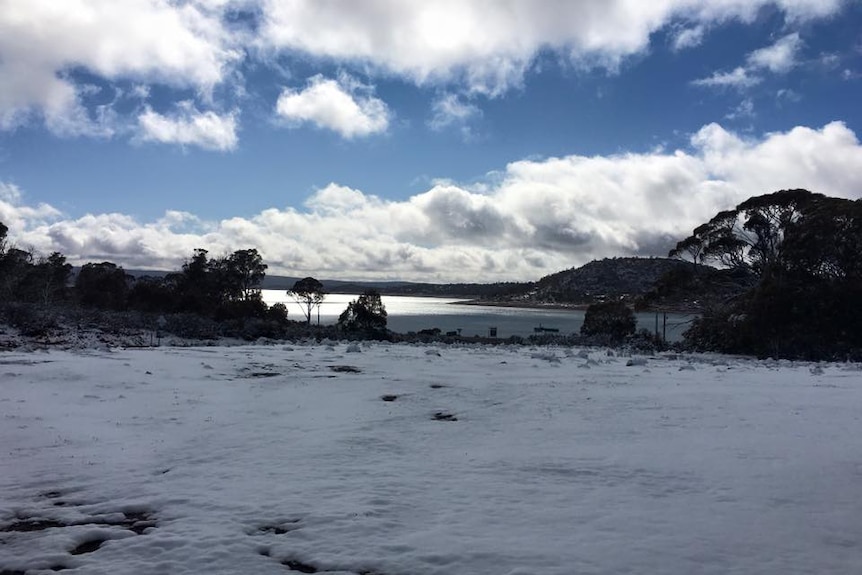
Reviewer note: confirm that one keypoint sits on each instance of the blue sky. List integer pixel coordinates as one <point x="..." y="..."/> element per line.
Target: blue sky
<point x="455" y="140"/>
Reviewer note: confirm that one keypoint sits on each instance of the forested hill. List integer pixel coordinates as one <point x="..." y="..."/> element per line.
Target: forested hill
<point x="601" y="279"/>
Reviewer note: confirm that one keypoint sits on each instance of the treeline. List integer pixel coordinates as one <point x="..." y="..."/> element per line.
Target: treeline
<point x="208" y="297"/>
<point x="219" y="288"/>
<point x="796" y="259"/>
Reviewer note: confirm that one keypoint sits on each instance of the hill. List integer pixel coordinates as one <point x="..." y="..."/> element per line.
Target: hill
<point x="610" y="278"/>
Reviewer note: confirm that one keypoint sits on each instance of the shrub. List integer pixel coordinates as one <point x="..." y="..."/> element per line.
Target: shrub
<point x="612" y="319"/>
<point x="365" y="314"/>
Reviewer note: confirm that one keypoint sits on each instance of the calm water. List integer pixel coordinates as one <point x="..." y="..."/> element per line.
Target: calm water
<point x="408" y="314"/>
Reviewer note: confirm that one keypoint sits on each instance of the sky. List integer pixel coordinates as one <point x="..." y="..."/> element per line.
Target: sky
<point x="454" y="140"/>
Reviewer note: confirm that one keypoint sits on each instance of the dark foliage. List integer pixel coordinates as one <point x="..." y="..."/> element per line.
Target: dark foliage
<point x="221" y="288"/>
<point x="749" y="236"/>
<point x="803" y="251"/>
<point x="151" y="294"/>
<point x="30" y="320"/>
<point x="103" y="285"/>
<point x="21" y="280"/>
<point x="612" y="319"/>
<point x="696" y="288"/>
<point x="366" y="314"/>
<point x="48" y="280"/>
<point x="207" y="298"/>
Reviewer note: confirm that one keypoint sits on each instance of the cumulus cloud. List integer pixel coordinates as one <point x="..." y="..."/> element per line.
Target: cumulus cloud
<point x="532" y="218"/>
<point x="189" y="127"/>
<point x="198" y="46"/>
<point x="489" y="44"/>
<point x="20" y="217"/>
<point x="178" y="44"/>
<point x="343" y="106"/>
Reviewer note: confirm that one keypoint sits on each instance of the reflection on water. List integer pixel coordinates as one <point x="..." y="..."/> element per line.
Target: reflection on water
<point x="408" y="314"/>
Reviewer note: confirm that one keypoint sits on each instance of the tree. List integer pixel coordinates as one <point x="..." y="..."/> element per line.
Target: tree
<point x="612" y="319"/>
<point x="151" y="294"/>
<point x="277" y="312"/>
<point x="103" y="285"/>
<point x="802" y="250"/>
<point x="309" y="294"/>
<point x="690" y="248"/>
<point x="195" y="287"/>
<point x="751" y="235"/>
<point x="222" y="288"/>
<point x="48" y="278"/>
<point x="365" y="314"/>
<point x="245" y="270"/>
<point x="826" y="240"/>
<point x="15" y="266"/>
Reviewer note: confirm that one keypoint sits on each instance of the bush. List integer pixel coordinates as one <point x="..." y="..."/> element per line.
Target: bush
<point x="612" y="319"/>
<point x="277" y="312"/>
<point x="366" y="314"/>
<point x="191" y="326"/>
<point x="30" y="320"/>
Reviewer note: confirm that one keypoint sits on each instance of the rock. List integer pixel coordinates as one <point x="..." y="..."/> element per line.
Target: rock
<point x="443" y="416"/>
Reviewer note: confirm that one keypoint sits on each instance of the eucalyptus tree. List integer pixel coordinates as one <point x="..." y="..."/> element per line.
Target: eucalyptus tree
<point x="365" y="314"/>
<point x="308" y="293"/>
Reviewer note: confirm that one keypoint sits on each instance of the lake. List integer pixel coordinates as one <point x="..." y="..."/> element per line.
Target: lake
<point x="408" y="313"/>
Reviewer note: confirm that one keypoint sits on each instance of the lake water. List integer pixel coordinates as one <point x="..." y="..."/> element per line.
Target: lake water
<point x="408" y="314"/>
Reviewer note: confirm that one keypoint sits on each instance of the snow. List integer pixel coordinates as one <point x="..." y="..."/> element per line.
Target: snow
<point x="273" y="459"/>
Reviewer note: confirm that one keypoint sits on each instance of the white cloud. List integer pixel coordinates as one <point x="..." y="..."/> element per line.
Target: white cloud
<point x="470" y="46"/>
<point x="778" y="58"/>
<point x="451" y="111"/>
<point x="739" y="78"/>
<point x="824" y="160"/>
<point x="179" y="44"/>
<point x="337" y="105"/>
<point x="189" y="127"/>
<point x="532" y="218"/>
<point x="19" y="217"/>
<point x="688" y="38"/>
<point x="489" y="44"/>
<point x="745" y="109"/>
<point x="787" y="94"/>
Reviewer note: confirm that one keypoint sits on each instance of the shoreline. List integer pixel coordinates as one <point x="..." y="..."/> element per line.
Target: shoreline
<point x="522" y="305"/>
<point x="568" y="306"/>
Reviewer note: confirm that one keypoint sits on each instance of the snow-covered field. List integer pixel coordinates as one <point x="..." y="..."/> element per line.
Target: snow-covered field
<point x="484" y="460"/>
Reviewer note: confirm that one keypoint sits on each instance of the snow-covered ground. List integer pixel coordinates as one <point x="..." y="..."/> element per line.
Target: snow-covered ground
<point x="484" y="460"/>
